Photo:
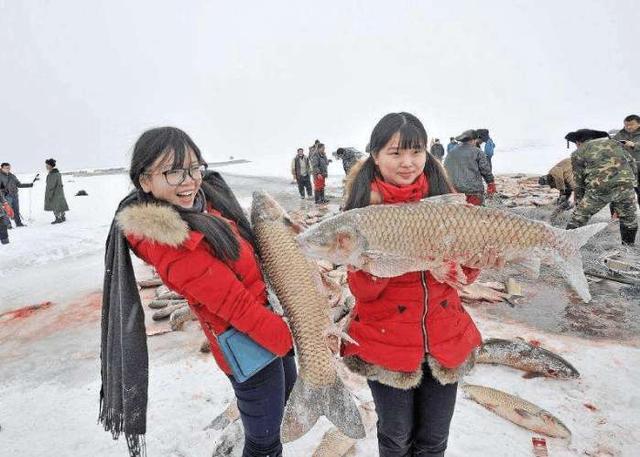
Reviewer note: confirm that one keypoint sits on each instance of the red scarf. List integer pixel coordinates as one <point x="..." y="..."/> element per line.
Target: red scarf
<point x="391" y="193"/>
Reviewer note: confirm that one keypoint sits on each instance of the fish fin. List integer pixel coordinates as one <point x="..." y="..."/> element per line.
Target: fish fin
<point x="532" y="265"/>
<point x="522" y="413"/>
<point x="308" y="402"/>
<point x="297" y="227"/>
<point x="447" y="199"/>
<point x="449" y="273"/>
<point x="581" y="235"/>
<point x="532" y="375"/>
<point x="572" y="270"/>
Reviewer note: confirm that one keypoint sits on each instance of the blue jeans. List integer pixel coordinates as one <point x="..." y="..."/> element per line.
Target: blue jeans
<point x="261" y="401"/>
<point x="415" y="422"/>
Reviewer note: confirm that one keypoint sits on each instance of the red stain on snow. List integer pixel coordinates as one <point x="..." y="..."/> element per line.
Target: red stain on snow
<point x="24" y="312"/>
<point x="590" y="407"/>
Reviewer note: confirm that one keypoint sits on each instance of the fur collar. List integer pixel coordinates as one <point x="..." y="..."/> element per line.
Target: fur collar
<point x="158" y="223"/>
<point x="406" y="381"/>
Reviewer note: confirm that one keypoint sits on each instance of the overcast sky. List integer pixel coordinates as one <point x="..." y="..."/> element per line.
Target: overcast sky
<point x="80" y="80"/>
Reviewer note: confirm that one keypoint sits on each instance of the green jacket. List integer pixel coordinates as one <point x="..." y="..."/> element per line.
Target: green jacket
<point x="634" y="137"/>
<point x="54" y="193"/>
<point x="601" y="166"/>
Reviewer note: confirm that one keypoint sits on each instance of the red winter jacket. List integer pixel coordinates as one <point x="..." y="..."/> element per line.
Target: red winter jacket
<point x="397" y="320"/>
<point x="220" y="295"/>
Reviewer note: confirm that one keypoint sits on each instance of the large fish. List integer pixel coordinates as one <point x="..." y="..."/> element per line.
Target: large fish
<point x="296" y="281"/>
<point x="517" y="410"/>
<point x="441" y="234"/>
<point x="519" y="354"/>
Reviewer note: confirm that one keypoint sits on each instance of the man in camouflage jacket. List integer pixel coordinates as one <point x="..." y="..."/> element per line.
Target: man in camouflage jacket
<point x="630" y="136"/>
<point x="604" y="173"/>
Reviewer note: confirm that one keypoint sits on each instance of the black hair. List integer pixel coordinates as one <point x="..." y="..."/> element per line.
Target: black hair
<point x="300" y="149"/>
<point x="51" y="162"/>
<point x="632" y="117"/>
<point x="412" y="136"/>
<point x="5" y="164"/>
<point x="151" y="145"/>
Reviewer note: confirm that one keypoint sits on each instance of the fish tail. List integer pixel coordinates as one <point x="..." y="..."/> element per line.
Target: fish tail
<point x="579" y="237"/>
<point x="571" y="268"/>
<point x="308" y="402"/>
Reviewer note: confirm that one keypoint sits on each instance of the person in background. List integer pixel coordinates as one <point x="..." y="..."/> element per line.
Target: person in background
<point x="5" y="213"/>
<point x="489" y="148"/>
<point x="630" y="138"/>
<point x="437" y="150"/>
<point x="301" y="171"/>
<point x="186" y="222"/>
<point x="604" y="173"/>
<point x="54" y="199"/>
<point x="467" y="166"/>
<point x="349" y="157"/>
<point x="452" y="144"/>
<point x="11" y="185"/>
<point x="414" y="338"/>
<point x="313" y="149"/>
<point x="320" y="167"/>
<point x="560" y="177"/>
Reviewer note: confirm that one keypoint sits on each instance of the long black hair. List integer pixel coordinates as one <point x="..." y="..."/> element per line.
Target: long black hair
<point x="412" y="136"/>
<point x="151" y="145"/>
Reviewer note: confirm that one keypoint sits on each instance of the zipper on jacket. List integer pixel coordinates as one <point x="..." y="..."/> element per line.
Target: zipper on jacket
<point x="424" y="313"/>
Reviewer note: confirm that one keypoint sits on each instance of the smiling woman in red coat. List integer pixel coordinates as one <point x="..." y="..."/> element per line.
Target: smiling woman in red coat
<point x="185" y="222"/>
<point x="415" y="340"/>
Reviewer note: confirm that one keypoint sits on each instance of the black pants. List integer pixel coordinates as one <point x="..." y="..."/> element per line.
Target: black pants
<point x="4" y="233"/>
<point x="261" y="401"/>
<point x="415" y="422"/>
<point x="304" y="182"/>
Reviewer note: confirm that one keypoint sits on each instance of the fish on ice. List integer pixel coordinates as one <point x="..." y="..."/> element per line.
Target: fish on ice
<point x="441" y="234"/>
<point x="318" y="391"/>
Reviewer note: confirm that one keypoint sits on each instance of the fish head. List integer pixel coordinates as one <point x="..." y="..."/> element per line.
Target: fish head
<point x="335" y="240"/>
<point x="265" y="208"/>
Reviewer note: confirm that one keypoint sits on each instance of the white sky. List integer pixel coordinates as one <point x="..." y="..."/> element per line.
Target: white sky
<point x="80" y="80"/>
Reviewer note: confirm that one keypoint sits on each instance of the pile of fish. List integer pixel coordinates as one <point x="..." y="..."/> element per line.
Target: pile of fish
<point x="168" y="305"/>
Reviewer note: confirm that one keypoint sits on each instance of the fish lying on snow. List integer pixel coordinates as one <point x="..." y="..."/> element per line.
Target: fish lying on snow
<point x="295" y="279"/>
<point x="517" y="410"/>
<point x="519" y="354"/>
<point x="441" y="234"/>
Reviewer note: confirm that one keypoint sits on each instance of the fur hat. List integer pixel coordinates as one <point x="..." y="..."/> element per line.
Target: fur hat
<point x="467" y="135"/>
<point x="582" y="135"/>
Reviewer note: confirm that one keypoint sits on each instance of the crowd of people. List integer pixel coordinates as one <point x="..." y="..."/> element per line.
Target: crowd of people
<point x="54" y="198"/>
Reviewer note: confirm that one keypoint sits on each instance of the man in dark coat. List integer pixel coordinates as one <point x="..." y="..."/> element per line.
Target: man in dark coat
<point x="301" y="172"/>
<point x="629" y="137"/>
<point x="437" y="150"/>
<point x="54" y="194"/>
<point x="467" y="166"/>
<point x="11" y="184"/>
<point x="320" y="167"/>
<point x="349" y="157"/>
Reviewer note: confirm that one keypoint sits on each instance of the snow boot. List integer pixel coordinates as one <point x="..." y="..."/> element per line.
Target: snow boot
<point x="628" y="235"/>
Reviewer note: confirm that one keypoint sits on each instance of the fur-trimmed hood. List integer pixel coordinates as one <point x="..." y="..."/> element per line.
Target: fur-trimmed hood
<point x="154" y="222"/>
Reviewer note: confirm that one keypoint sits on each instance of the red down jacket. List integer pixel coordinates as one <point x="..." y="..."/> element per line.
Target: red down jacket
<point x="220" y="295"/>
<point x="397" y="320"/>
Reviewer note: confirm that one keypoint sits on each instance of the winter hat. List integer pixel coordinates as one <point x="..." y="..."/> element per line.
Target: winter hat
<point x="50" y="162"/>
<point x="582" y="135"/>
<point x="467" y="135"/>
<point x="483" y="134"/>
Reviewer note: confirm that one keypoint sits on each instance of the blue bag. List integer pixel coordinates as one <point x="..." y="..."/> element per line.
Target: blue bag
<point x="244" y="356"/>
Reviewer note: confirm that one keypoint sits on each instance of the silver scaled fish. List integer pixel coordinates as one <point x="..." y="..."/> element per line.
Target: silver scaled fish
<point x="441" y="234"/>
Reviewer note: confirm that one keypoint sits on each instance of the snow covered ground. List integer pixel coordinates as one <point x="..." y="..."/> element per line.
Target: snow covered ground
<point x="49" y="380"/>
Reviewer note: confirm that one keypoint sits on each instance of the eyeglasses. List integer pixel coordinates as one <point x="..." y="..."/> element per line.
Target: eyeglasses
<point x="177" y="176"/>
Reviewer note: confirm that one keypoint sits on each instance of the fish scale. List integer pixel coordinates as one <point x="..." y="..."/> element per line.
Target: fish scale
<point x="390" y="240"/>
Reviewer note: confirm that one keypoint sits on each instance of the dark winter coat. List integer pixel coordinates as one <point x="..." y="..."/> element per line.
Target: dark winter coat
<point x="11" y="184"/>
<point x="437" y="150"/>
<point x="467" y="166"/>
<point x="320" y="164"/>
<point x="634" y="137"/>
<point x="398" y="321"/>
<point x="54" y="193"/>
<point x="221" y="295"/>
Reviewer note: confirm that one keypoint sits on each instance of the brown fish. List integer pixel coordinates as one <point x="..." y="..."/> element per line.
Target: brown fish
<point x="296" y="281"/>
<point x="517" y="410"/>
<point x="441" y="234"/>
